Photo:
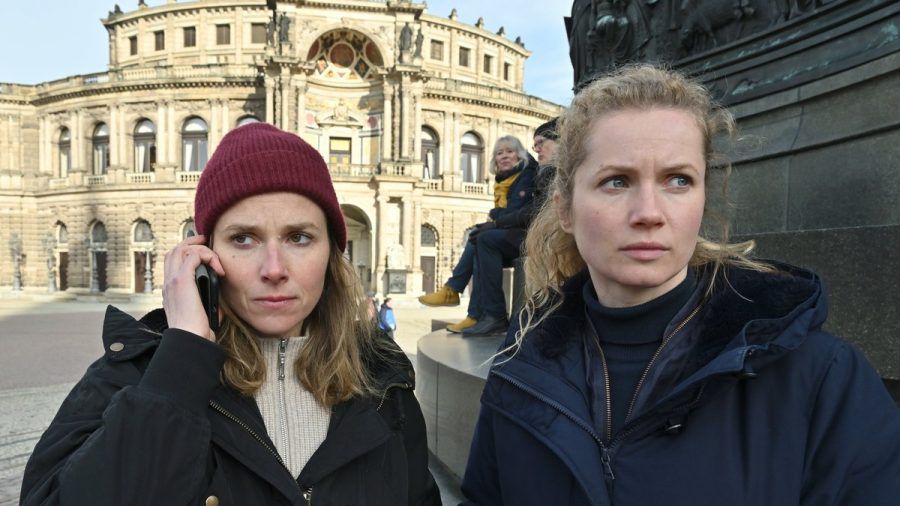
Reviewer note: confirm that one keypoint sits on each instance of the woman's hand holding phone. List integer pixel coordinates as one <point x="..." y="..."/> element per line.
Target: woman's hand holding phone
<point x="181" y="300"/>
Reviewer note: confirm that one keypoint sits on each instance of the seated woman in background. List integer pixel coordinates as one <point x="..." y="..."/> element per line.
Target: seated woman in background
<point x="514" y="174"/>
<point x="653" y="366"/>
<point x="298" y="398"/>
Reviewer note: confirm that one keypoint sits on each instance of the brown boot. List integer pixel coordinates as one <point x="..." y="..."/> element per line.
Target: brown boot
<point x="457" y="328"/>
<point x="446" y="296"/>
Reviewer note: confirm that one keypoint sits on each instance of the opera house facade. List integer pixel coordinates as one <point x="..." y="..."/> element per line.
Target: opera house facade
<point x="97" y="171"/>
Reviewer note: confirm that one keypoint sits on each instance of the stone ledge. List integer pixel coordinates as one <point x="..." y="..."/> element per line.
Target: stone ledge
<point x="451" y="372"/>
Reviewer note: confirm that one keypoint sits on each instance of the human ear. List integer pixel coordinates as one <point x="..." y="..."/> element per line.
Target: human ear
<point x="565" y="219"/>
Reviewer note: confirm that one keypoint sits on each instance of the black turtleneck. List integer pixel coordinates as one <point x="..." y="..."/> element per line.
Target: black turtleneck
<point x="629" y="336"/>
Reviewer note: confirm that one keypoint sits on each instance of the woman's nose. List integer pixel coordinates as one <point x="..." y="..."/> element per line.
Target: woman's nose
<point x="273" y="267"/>
<point x="646" y="209"/>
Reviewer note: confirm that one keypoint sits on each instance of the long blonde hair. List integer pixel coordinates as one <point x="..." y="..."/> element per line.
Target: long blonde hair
<point x="331" y="364"/>
<point x="552" y="256"/>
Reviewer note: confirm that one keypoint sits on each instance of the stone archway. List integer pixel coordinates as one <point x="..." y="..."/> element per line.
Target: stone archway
<point x="360" y="243"/>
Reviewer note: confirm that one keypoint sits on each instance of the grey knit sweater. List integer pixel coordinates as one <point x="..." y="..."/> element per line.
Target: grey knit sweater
<point x="296" y="423"/>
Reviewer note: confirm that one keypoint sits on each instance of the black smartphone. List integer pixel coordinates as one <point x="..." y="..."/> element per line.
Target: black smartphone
<point x="208" y="286"/>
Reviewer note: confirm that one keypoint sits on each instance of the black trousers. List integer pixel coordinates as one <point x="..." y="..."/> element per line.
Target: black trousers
<point x="493" y="250"/>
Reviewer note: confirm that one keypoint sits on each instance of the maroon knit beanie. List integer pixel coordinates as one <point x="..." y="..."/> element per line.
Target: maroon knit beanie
<point x="259" y="158"/>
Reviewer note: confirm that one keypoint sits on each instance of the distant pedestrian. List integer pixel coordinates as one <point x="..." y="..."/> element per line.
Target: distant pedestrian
<point x="386" y="319"/>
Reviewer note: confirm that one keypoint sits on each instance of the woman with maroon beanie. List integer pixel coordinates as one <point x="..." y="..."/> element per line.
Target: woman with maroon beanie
<point x="297" y="398"/>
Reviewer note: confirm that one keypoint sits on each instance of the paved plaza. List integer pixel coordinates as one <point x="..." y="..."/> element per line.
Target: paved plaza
<point x="46" y="346"/>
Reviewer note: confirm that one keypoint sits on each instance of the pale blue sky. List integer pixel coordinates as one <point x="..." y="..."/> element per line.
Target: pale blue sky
<point x="43" y="40"/>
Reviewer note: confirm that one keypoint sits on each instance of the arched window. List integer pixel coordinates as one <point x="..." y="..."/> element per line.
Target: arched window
<point x="100" y="141"/>
<point x="430" y="154"/>
<point x="65" y="152"/>
<point x="188" y="229"/>
<point x="98" y="233"/>
<point x="429" y="238"/>
<point x="194" y="145"/>
<point x="246" y="120"/>
<point x="144" y="146"/>
<point x="143" y="232"/>
<point x="62" y="234"/>
<point x="472" y="158"/>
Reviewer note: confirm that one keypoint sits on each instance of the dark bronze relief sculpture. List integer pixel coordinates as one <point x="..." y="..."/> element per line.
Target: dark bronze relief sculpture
<point x="606" y="33"/>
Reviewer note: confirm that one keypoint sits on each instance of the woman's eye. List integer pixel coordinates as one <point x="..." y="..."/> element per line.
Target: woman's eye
<point x="300" y="238"/>
<point x="241" y="239"/>
<point x="614" y="183"/>
<point x="680" y="181"/>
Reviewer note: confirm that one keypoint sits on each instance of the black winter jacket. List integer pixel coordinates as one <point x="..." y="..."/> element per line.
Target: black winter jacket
<point x="150" y="423"/>
<point x="748" y="402"/>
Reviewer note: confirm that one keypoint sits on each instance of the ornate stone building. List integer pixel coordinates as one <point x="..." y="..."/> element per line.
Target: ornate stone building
<point x="97" y="171"/>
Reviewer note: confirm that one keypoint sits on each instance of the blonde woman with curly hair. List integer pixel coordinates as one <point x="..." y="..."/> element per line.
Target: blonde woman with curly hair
<point x="652" y="365"/>
<point x="297" y="399"/>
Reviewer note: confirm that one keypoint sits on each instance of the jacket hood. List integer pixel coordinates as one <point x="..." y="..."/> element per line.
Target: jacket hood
<point x="744" y="308"/>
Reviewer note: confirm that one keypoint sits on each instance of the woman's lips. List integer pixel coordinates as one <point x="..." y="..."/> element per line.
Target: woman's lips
<point x="645" y="251"/>
<point x="276" y="302"/>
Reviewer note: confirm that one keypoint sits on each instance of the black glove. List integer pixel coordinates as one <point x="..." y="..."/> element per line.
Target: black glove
<point x="481" y="227"/>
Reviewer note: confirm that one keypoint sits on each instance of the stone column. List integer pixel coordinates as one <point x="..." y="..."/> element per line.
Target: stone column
<point x="300" y="88"/>
<point x="270" y="100"/>
<point x="286" y="101"/>
<point x="122" y="136"/>
<point x="78" y="144"/>
<point x="162" y="148"/>
<point x="407" y="117"/>
<point x="214" y="126"/>
<point x="113" y="134"/>
<point x="379" y="265"/>
<point x="42" y="142"/>
<point x="397" y="127"/>
<point x="387" y="123"/>
<point x="417" y="125"/>
<point x="455" y="144"/>
<point x="173" y="133"/>
<point x="416" y="247"/>
<point x="226" y="123"/>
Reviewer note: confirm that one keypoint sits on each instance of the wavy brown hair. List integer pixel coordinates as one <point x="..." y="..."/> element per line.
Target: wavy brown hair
<point x="332" y="362"/>
<point x="552" y="256"/>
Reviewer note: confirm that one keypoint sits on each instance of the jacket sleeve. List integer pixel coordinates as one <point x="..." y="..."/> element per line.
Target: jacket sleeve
<point x="480" y="484"/>
<point x="122" y="438"/>
<point x="423" y="491"/>
<point x="853" y="454"/>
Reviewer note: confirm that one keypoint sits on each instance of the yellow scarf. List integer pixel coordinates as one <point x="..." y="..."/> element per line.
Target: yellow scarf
<point x="501" y="190"/>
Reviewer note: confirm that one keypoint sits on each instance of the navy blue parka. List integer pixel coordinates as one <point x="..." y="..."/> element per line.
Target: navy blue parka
<point x="749" y="402"/>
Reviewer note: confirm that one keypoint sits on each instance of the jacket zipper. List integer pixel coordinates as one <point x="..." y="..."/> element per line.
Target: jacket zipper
<point x="219" y="409"/>
<point x="605" y="457"/>
<point x="655" y="356"/>
<point x="282" y="411"/>
<point x="307" y="491"/>
<point x="387" y="388"/>
<point x="606" y="388"/>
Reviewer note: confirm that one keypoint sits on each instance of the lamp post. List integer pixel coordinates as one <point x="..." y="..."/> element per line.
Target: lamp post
<point x="49" y="244"/>
<point x="95" y="278"/>
<point x="148" y="270"/>
<point x="15" y="248"/>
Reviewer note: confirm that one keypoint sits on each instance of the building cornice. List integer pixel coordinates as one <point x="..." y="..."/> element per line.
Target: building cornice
<point x="129" y="87"/>
<point x="476" y="32"/>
